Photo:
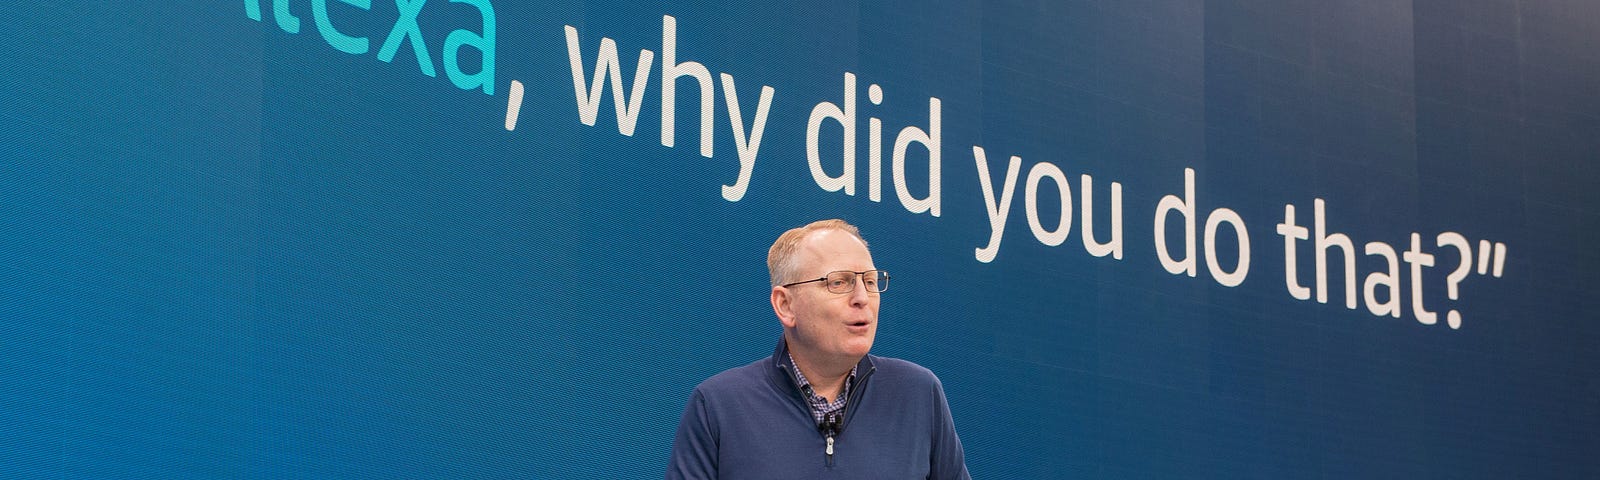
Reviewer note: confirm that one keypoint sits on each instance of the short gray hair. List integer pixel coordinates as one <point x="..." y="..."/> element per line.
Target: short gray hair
<point x="781" y="257"/>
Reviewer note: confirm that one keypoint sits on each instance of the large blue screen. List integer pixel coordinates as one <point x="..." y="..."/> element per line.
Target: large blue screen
<point x="506" y="239"/>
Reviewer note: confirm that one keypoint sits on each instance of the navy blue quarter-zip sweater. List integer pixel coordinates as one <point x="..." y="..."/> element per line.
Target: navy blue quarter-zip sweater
<point x="752" y="422"/>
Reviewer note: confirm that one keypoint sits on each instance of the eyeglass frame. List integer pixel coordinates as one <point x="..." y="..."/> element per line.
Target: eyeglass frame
<point x="860" y="277"/>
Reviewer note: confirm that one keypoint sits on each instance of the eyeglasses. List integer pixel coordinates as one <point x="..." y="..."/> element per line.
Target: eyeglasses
<point x="844" y="281"/>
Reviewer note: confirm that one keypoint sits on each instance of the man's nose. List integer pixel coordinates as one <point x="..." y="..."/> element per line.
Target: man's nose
<point x="860" y="295"/>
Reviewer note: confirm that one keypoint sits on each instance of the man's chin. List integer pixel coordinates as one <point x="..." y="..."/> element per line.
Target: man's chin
<point x="859" y="347"/>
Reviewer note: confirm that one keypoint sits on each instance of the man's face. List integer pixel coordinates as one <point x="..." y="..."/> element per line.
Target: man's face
<point x="835" y="326"/>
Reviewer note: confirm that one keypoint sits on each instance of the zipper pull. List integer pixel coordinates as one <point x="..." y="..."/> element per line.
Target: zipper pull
<point x="830" y="450"/>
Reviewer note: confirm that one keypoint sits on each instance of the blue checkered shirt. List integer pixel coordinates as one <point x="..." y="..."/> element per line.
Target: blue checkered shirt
<point x="821" y="407"/>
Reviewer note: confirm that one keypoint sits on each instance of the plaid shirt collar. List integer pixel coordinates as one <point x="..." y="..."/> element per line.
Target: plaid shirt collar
<point x="821" y="407"/>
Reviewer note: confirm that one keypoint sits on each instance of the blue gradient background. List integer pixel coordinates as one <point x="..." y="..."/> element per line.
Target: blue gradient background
<point x="229" y="251"/>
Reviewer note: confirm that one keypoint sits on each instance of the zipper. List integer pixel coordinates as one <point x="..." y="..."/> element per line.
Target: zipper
<point x="854" y="400"/>
<point x="855" y="395"/>
<point x="827" y="450"/>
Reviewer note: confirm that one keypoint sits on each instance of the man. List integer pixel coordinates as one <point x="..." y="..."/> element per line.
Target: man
<point x="820" y="406"/>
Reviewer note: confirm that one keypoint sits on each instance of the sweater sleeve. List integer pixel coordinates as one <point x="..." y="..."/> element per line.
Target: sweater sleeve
<point x="694" y="451"/>
<point x="949" y="461"/>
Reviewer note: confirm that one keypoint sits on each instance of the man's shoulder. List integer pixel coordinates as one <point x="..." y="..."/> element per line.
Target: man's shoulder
<point x="903" y="371"/>
<point x="737" y="379"/>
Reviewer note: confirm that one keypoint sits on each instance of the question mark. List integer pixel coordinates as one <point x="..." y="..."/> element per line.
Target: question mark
<point x="1463" y="247"/>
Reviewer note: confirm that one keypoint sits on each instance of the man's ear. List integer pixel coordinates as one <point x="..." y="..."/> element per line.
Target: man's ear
<point x="782" y="306"/>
